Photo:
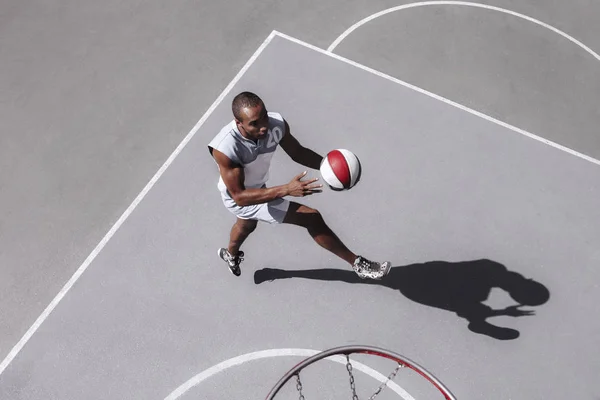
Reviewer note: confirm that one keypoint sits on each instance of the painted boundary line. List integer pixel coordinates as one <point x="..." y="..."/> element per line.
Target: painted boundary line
<point x="15" y="350"/>
<point x="363" y="21"/>
<point x="440" y="98"/>
<point x="244" y="358"/>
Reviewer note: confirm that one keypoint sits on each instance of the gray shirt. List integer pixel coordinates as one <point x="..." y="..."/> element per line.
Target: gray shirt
<point x="255" y="158"/>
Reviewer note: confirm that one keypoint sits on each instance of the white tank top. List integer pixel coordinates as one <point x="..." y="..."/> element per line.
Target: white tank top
<point x="255" y="158"/>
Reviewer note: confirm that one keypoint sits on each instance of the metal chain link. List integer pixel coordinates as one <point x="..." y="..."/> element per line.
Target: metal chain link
<point x="384" y="384"/>
<point x="352" y="385"/>
<point x="299" y="387"/>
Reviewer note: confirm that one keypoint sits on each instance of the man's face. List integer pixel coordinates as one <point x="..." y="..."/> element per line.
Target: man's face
<point x="255" y="121"/>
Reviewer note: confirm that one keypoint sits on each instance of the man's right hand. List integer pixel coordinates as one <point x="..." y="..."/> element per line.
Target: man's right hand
<point x="298" y="188"/>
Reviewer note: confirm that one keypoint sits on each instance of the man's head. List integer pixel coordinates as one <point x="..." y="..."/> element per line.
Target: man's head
<point x="250" y="115"/>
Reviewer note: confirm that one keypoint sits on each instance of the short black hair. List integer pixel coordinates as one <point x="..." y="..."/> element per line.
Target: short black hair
<point x="243" y="100"/>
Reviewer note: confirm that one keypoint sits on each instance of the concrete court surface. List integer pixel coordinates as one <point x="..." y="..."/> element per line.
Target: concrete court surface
<point x="77" y="76"/>
<point x="460" y="205"/>
<point x="96" y="95"/>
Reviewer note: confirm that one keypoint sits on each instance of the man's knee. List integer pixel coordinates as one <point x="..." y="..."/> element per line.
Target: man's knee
<point x="300" y="214"/>
<point x="247" y="226"/>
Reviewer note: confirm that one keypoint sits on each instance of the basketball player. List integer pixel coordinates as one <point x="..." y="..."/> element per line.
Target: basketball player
<point x="243" y="150"/>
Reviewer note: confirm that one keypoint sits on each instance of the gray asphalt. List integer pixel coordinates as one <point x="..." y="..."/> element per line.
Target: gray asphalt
<point x="458" y="204"/>
<point x="498" y="64"/>
<point x="93" y="106"/>
<point x="95" y="97"/>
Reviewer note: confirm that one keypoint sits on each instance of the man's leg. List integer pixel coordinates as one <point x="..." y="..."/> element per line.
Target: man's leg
<point x="232" y="254"/>
<point x="239" y="232"/>
<point x="312" y="220"/>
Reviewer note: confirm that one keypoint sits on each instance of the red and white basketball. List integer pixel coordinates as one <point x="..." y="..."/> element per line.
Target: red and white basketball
<point x="340" y="169"/>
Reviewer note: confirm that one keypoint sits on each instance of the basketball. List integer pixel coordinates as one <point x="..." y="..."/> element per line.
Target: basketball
<point x="340" y="169"/>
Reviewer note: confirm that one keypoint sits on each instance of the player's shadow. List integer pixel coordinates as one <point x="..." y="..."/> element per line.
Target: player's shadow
<point x="460" y="287"/>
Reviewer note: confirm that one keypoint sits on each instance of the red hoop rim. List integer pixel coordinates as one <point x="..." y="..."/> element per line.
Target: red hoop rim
<point x="358" y="349"/>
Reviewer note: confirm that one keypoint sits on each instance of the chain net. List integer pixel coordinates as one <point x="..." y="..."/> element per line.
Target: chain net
<point x="383" y="384"/>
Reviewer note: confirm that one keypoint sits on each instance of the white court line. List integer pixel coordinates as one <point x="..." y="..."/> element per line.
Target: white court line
<point x="348" y="31"/>
<point x="215" y="369"/>
<point x="128" y="211"/>
<point x="440" y="98"/>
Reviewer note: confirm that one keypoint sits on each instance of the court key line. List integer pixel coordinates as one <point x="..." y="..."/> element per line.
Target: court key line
<point x="244" y="358"/>
<point x="15" y="350"/>
<point x="440" y="98"/>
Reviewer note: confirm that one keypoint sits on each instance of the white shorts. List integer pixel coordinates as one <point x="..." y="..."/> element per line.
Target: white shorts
<point x="272" y="212"/>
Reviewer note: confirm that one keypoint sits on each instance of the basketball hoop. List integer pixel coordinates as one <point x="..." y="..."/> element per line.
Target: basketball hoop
<point x="346" y="351"/>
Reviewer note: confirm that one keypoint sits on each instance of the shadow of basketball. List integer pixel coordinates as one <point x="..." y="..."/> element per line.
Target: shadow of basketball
<point x="460" y="287"/>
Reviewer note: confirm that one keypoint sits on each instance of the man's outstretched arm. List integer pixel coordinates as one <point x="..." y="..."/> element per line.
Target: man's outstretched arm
<point x="299" y="153"/>
<point x="233" y="177"/>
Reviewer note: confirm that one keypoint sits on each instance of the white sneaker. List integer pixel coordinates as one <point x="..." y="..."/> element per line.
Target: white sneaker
<point x="371" y="269"/>
<point x="232" y="262"/>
